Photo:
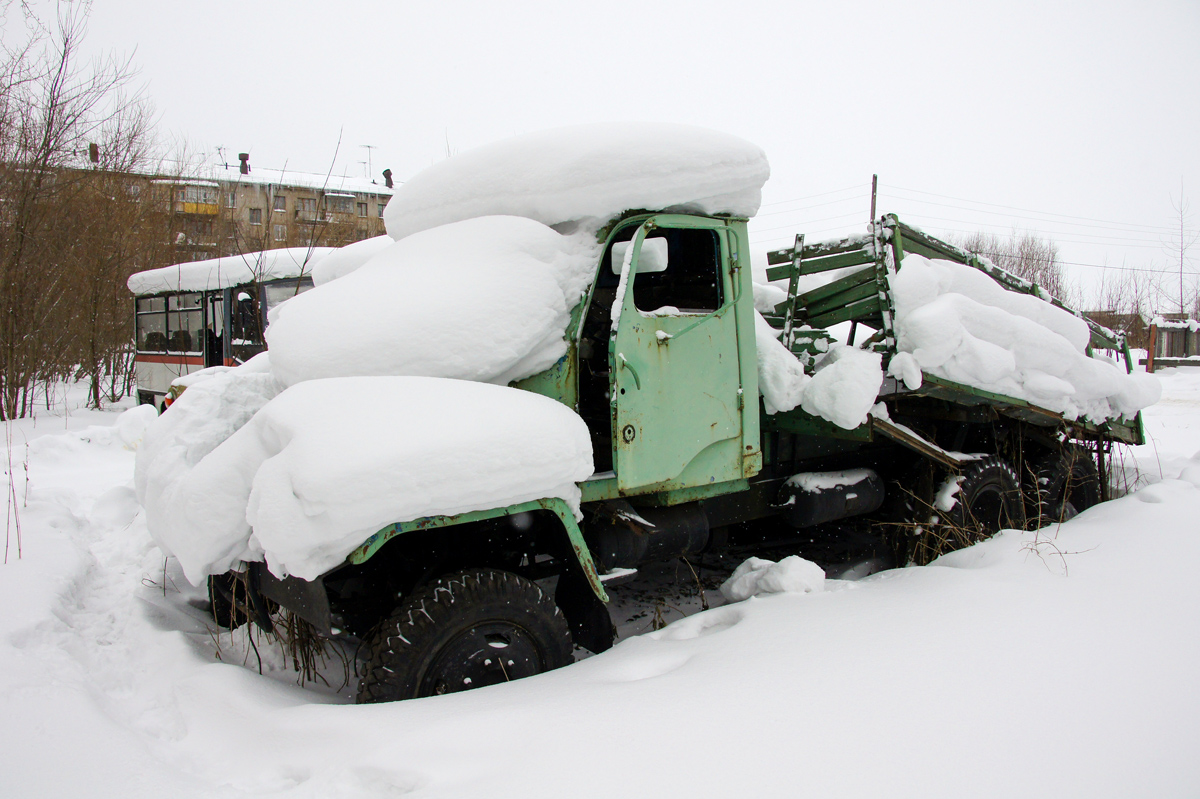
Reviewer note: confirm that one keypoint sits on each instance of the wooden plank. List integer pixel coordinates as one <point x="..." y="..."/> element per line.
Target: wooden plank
<point x="812" y="266"/>
<point x="841" y="284"/>
<point x="825" y="264"/>
<point x="819" y="249"/>
<point x="857" y="310"/>
<point x="850" y="295"/>
<point x="779" y="272"/>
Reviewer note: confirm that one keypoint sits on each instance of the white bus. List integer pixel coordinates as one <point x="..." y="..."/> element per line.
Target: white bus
<point x="210" y="313"/>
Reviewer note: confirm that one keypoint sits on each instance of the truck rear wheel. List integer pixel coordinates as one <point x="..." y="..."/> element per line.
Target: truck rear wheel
<point x="988" y="499"/>
<point x="465" y="630"/>
<point x="1067" y="484"/>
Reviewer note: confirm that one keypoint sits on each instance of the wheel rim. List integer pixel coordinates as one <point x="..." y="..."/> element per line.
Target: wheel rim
<point x="485" y="654"/>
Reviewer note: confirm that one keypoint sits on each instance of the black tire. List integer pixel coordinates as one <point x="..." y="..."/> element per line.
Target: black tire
<point x="988" y="500"/>
<point x="1067" y="484"/>
<point x="465" y="630"/>
<point x="228" y="598"/>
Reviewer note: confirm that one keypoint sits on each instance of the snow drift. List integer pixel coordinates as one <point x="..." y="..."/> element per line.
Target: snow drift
<point x="586" y="173"/>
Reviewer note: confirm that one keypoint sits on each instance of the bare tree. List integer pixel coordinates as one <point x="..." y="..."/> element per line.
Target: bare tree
<point x="1179" y="249"/>
<point x="69" y="211"/>
<point x="1025" y="255"/>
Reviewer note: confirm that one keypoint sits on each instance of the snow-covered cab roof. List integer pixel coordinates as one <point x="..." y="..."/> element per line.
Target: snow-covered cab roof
<point x="586" y="173"/>
<point x="228" y="271"/>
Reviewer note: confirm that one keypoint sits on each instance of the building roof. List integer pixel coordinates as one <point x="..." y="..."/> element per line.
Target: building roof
<point x="262" y="176"/>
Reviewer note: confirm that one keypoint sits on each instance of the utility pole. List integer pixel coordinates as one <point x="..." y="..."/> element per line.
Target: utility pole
<point x="874" y="189"/>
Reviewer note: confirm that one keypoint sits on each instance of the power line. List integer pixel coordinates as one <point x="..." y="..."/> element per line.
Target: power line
<point x="806" y="207"/>
<point x="1031" y="210"/>
<point x="1128" y="227"/>
<point x="813" y="196"/>
<point x="810" y="221"/>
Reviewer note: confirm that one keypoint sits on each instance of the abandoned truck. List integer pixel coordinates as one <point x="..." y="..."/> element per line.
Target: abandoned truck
<point x="662" y="416"/>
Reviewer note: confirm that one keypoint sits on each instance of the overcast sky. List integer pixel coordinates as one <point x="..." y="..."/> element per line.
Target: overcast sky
<point x="1064" y="116"/>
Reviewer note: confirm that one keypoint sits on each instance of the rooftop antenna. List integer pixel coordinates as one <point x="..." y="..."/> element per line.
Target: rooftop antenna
<point x="369" y="148"/>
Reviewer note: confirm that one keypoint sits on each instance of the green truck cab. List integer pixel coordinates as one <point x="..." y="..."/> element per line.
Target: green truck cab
<point x="662" y="365"/>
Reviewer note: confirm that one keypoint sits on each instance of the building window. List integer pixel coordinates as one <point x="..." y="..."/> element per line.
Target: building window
<point x="197" y="194"/>
<point x="381" y="207"/>
<point x="280" y="232"/>
<point x="280" y="203"/>
<point x="362" y="209"/>
<point x="306" y="205"/>
<point x="230" y="199"/>
<point x="256" y="216"/>
<point x="339" y="205"/>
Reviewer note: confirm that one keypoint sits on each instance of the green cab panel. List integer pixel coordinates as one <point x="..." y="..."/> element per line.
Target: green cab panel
<point x="677" y="401"/>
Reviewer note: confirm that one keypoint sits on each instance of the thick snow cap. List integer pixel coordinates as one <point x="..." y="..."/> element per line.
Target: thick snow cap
<point x="229" y="270"/>
<point x="484" y="299"/>
<point x="586" y="172"/>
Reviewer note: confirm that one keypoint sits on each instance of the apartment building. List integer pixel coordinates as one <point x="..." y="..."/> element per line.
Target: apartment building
<point x="225" y="209"/>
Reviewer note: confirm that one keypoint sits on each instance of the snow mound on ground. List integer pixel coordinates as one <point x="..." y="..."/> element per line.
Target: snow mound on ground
<point x="485" y="299"/>
<point x="758" y="576"/>
<point x="586" y="172"/>
<point x="842" y="390"/>
<point x="961" y="325"/>
<point x="229" y="270"/>
<point x="345" y="260"/>
<point x="327" y="463"/>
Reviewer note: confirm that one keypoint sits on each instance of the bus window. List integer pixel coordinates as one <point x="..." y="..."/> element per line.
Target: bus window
<point x="151" y="324"/>
<point x="185" y="323"/>
<point x="286" y="289"/>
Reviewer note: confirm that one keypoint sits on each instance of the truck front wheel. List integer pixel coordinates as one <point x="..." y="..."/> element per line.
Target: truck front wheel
<point x="465" y="630"/>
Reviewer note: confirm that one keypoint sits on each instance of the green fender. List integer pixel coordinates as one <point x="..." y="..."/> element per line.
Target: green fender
<point x="555" y="505"/>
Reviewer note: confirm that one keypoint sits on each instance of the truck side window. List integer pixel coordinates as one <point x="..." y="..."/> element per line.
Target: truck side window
<point x="691" y="282"/>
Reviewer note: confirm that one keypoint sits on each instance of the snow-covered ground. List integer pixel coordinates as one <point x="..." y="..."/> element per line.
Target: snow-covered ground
<point x="1053" y="663"/>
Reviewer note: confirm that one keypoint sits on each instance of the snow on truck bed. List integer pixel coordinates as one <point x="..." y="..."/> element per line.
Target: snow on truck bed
<point x="955" y="322"/>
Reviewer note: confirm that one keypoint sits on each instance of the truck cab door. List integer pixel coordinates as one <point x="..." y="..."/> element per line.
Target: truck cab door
<point x="676" y="378"/>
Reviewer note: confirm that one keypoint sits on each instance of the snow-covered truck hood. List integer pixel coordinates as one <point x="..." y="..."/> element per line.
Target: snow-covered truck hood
<point x="316" y="470"/>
